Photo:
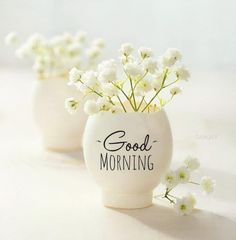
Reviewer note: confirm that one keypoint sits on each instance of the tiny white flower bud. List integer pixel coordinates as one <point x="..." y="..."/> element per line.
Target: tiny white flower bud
<point x="207" y="184"/>
<point x="184" y="206"/>
<point x="71" y="105"/>
<point x="99" y="42"/>
<point x="182" y="73"/>
<point x="126" y="49"/>
<point x="93" y="52"/>
<point x="11" y="39"/>
<point x="182" y="174"/>
<point x="145" y="52"/>
<point x="175" y="91"/>
<point x="133" y="69"/>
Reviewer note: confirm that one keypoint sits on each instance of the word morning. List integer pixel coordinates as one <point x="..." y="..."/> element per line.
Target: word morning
<point x="123" y="155"/>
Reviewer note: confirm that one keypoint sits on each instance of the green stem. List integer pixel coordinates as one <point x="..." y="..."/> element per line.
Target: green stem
<point x="99" y="94"/>
<point x="194" y="183"/>
<point x="162" y="87"/>
<point x="121" y="103"/>
<point x="172" y="195"/>
<point x="167" y="194"/>
<point x="111" y="101"/>
<point x="151" y="100"/>
<point x="140" y="103"/>
<point x="171" y="201"/>
<point x="157" y="196"/>
<point x="132" y="94"/>
<point x="135" y="85"/>
<point x="171" y="83"/>
<point x="124" y="95"/>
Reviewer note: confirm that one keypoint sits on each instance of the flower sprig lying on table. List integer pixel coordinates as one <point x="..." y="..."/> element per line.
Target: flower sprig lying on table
<point x="55" y="56"/>
<point x="140" y="88"/>
<point x="182" y="175"/>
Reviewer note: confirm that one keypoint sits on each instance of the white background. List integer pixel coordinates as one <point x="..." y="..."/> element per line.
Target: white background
<point x="50" y="196"/>
<point x="204" y="30"/>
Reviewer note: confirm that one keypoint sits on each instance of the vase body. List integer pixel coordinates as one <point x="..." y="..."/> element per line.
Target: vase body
<point x="61" y="131"/>
<point x="127" y="154"/>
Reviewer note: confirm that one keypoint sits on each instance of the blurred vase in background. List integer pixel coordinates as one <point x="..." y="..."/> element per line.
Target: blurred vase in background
<point x="53" y="58"/>
<point x="60" y="131"/>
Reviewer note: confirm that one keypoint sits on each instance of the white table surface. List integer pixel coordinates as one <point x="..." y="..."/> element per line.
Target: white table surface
<point x="50" y="196"/>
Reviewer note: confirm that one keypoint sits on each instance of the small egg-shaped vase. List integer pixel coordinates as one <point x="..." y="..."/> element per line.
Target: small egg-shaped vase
<point x="60" y="130"/>
<point x="127" y="154"/>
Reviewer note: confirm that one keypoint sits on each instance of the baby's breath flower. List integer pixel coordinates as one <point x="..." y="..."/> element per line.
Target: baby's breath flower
<point x="175" y="91"/>
<point x="35" y="41"/>
<point x="125" y="59"/>
<point x="107" y="75"/>
<point x="133" y="69"/>
<point x="174" y="53"/>
<point x="104" y="104"/>
<point x="183" y="206"/>
<point x="90" y="78"/>
<point x="186" y="204"/>
<point x="141" y="84"/>
<point x="156" y="85"/>
<point x="59" y="53"/>
<point x="107" y="71"/>
<point x="11" y="39"/>
<point x="67" y="38"/>
<point x="71" y="105"/>
<point x="56" y="41"/>
<point x="170" y="179"/>
<point x="82" y="87"/>
<point x="39" y="67"/>
<point x="80" y="36"/>
<point x="159" y="76"/>
<point x="182" y="73"/>
<point x="145" y="52"/>
<point x="74" y="75"/>
<point x="165" y="61"/>
<point x="93" y="52"/>
<point x="116" y="109"/>
<point x="191" y="163"/>
<point x="207" y="184"/>
<point x="107" y="64"/>
<point x="126" y="49"/>
<point x="109" y="89"/>
<point x="99" y="42"/>
<point x="157" y="81"/>
<point x="144" y="86"/>
<point x="91" y="107"/>
<point x="74" y="49"/>
<point x="182" y="175"/>
<point x="171" y="57"/>
<point x="150" y="65"/>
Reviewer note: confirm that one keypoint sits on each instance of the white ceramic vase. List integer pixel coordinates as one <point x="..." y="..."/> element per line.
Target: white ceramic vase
<point x="127" y="154"/>
<point x="60" y="130"/>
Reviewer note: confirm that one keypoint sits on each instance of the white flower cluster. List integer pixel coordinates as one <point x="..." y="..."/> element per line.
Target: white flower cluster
<point x="57" y="55"/>
<point x="141" y="85"/>
<point x="186" y="204"/>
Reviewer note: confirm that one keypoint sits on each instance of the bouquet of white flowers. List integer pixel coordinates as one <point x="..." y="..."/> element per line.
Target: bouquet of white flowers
<point x="141" y="87"/>
<point x="55" y="56"/>
<point x="185" y="205"/>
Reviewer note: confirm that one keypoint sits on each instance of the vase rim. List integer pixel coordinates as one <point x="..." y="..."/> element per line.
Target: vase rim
<point x="128" y="113"/>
